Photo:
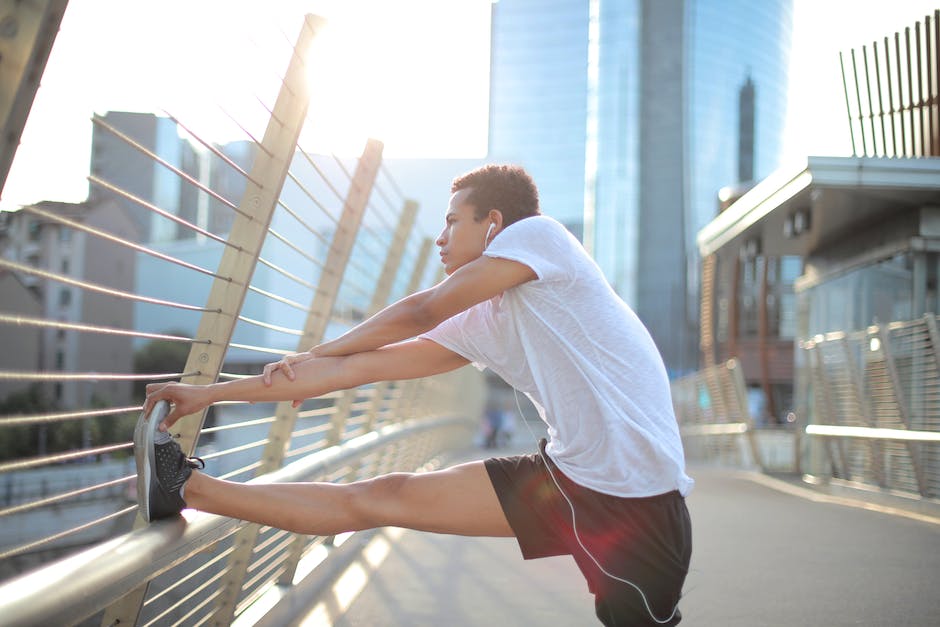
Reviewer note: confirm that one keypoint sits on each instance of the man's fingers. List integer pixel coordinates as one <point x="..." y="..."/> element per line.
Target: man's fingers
<point x="288" y="371"/>
<point x="297" y="403"/>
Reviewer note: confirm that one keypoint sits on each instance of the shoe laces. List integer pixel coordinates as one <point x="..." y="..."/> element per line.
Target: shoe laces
<point x="193" y="462"/>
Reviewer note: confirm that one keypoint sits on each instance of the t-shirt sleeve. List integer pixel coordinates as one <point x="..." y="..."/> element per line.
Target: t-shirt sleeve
<point x="537" y="242"/>
<point x="453" y="335"/>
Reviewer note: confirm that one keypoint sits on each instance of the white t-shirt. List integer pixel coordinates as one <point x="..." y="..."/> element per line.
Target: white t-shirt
<point x="585" y="360"/>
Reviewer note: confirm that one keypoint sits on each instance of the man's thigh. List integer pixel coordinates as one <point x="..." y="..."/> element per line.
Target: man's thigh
<point x="458" y="500"/>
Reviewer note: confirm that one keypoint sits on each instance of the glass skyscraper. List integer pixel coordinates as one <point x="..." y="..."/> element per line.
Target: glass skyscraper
<point x="628" y="113"/>
<point x="538" y="98"/>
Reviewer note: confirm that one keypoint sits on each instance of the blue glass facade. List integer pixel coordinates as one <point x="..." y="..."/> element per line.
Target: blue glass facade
<point x="538" y="98"/>
<point x="729" y="42"/>
<point x="626" y="113"/>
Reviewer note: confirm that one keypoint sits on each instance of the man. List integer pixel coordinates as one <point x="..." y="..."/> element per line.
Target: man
<point x="523" y="298"/>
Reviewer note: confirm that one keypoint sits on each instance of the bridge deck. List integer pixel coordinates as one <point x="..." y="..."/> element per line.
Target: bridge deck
<point x="762" y="556"/>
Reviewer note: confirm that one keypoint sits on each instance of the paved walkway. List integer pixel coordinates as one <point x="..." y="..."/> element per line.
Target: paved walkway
<point x="762" y="556"/>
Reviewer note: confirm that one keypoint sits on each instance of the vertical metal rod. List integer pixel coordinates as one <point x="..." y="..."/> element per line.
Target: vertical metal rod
<point x="881" y="108"/>
<point x="858" y="100"/>
<point x="921" y="109"/>
<point x="910" y="91"/>
<point x="936" y="90"/>
<point x="848" y="107"/>
<point x="929" y="100"/>
<point x="933" y="149"/>
<point x="871" y="110"/>
<point x="894" y="137"/>
<point x="897" y="60"/>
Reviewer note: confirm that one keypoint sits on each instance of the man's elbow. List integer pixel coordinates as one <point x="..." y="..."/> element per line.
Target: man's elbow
<point x="423" y="313"/>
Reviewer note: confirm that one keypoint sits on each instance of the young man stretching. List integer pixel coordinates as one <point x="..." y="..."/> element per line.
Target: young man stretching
<point x="523" y="298"/>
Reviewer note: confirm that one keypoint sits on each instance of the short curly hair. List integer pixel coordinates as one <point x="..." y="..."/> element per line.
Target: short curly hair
<point x="507" y="188"/>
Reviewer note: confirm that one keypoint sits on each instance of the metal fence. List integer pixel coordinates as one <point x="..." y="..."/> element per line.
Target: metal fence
<point x="867" y="402"/>
<point x="874" y="405"/>
<point x="893" y="103"/>
<point x="714" y="421"/>
<point x="311" y="245"/>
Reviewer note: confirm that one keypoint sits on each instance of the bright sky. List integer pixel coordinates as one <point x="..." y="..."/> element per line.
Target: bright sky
<point x="817" y="120"/>
<point x="411" y="72"/>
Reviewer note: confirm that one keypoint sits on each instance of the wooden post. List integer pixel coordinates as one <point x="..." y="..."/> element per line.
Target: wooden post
<point x="384" y="289"/>
<point x="263" y="188"/>
<point x="314" y="328"/>
<point x="409" y="389"/>
<point x="29" y="30"/>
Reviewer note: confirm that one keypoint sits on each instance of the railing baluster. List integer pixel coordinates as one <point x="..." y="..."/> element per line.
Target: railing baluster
<point x="238" y="261"/>
<point x="314" y="329"/>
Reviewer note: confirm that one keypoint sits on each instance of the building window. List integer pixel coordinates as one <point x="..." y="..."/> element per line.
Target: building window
<point x="65" y="297"/>
<point x="65" y="266"/>
<point x="65" y="234"/>
<point x="34" y="228"/>
<point x="59" y="360"/>
<point x="752" y="270"/>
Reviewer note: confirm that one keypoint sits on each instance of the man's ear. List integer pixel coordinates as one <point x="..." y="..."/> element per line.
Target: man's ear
<point x="496" y="217"/>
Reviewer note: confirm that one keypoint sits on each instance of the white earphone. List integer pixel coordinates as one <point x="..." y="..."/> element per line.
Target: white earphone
<point x="486" y="240"/>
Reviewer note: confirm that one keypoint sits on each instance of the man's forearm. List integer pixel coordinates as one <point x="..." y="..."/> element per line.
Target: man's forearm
<point x="400" y="321"/>
<point x="314" y="377"/>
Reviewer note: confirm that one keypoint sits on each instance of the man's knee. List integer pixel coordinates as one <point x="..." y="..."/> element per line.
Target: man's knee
<point x="378" y="502"/>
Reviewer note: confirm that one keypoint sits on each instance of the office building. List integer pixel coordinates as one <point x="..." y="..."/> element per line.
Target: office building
<point x="629" y="114"/>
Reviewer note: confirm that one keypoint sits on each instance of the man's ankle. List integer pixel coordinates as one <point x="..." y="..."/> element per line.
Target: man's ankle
<point x="190" y="491"/>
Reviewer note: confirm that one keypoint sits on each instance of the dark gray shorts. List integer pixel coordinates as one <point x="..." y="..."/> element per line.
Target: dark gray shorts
<point x="647" y="541"/>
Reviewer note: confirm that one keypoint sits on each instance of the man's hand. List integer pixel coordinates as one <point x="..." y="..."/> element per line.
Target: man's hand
<point x="286" y="366"/>
<point x="185" y="400"/>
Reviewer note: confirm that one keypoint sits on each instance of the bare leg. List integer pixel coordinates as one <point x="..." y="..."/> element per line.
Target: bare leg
<point x="459" y="500"/>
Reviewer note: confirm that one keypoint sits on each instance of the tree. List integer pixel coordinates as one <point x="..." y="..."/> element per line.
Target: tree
<point x="158" y="357"/>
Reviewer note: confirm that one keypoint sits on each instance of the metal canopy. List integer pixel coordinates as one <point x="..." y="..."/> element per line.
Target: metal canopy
<point x="829" y="197"/>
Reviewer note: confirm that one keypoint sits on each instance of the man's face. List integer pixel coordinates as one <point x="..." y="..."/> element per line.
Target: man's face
<point x="462" y="239"/>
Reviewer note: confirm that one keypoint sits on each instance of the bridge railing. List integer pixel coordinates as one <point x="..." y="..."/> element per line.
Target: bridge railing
<point x="873" y="404"/>
<point x="867" y="403"/>
<point x="304" y="247"/>
<point x="714" y="420"/>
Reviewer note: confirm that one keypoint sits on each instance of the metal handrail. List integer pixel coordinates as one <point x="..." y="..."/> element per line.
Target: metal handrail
<point x="78" y="586"/>
<point x="904" y="435"/>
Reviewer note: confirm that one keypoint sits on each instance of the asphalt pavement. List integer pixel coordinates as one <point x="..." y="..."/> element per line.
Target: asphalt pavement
<point x="765" y="553"/>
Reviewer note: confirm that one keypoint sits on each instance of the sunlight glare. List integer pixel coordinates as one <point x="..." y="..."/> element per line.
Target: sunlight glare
<point x="422" y="91"/>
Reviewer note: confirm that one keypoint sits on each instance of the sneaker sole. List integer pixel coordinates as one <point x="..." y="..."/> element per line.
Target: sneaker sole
<point x="143" y="453"/>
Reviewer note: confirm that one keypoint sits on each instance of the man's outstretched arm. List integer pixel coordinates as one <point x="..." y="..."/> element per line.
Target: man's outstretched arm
<point x="314" y="377"/>
<point x="473" y="283"/>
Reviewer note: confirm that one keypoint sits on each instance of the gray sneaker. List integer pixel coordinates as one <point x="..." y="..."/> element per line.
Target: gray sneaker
<point x="162" y="469"/>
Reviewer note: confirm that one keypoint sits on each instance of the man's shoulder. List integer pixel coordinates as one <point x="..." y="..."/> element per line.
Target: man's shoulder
<point x="540" y="229"/>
